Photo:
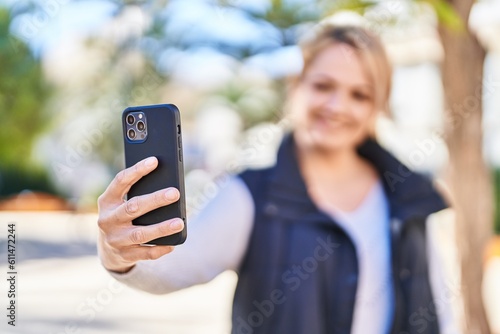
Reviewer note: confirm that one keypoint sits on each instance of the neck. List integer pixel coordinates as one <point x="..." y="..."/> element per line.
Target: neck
<point x="330" y="166"/>
<point x="336" y="179"/>
<point x="336" y="164"/>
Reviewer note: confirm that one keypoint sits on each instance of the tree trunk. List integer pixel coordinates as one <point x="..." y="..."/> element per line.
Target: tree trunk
<point x="468" y="175"/>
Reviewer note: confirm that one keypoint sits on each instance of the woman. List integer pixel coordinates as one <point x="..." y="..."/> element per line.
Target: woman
<point x="331" y="239"/>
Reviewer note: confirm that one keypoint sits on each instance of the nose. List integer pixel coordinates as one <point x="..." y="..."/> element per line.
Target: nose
<point x="336" y="102"/>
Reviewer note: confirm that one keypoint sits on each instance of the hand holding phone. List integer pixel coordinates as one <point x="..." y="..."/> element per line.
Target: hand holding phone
<point x="154" y="213"/>
<point x="156" y="131"/>
<point x="120" y="243"/>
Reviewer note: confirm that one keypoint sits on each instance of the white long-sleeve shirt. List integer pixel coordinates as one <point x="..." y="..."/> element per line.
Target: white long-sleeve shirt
<point x="218" y="238"/>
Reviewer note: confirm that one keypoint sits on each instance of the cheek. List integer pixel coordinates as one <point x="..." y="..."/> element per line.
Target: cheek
<point x="364" y="123"/>
<point x="363" y="115"/>
<point x="310" y="103"/>
<point x="303" y="104"/>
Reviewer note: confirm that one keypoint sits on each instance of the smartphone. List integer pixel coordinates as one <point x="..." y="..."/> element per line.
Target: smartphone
<point x="156" y="131"/>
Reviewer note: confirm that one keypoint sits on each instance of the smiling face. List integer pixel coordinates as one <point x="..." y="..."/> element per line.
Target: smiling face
<point x="334" y="101"/>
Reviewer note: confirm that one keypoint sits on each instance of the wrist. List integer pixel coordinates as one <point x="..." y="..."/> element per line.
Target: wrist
<point x="120" y="270"/>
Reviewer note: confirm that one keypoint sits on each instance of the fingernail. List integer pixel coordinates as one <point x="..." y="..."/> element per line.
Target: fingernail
<point x="150" y="162"/>
<point x="176" y="224"/>
<point x="171" y="194"/>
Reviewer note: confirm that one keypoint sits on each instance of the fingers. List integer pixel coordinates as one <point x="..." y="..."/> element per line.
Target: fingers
<point x="139" y="253"/>
<point x="119" y="240"/>
<point x="122" y="249"/>
<point x="126" y="178"/>
<point x="139" y="205"/>
<point x="137" y="235"/>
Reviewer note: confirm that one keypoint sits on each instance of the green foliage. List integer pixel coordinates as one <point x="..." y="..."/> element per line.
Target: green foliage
<point x="23" y="93"/>
<point x="254" y="105"/>
<point x="496" y="185"/>
<point x="358" y="6"/>
<point x="15" y="180"/>
<point x="447" y="15"/>
<point x="284" y="14"/>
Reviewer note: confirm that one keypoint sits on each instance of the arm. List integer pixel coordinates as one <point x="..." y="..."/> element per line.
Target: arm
<point x="217" y="241"/>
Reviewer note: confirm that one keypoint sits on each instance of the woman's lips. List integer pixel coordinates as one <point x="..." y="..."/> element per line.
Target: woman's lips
<point x="330" y="122"/>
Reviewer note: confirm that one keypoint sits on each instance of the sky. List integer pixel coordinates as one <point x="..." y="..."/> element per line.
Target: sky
<point x="195" y="19"/>
<point x="58" y="19"/>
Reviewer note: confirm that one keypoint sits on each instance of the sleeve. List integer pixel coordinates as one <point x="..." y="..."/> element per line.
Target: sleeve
<point x="444" y="270"/>
<point x="217" y="241"/>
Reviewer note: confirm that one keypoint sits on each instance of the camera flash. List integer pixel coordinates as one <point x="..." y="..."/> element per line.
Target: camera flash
<point x="140" y="116"/>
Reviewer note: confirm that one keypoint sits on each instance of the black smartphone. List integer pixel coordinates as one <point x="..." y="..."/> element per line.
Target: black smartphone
<point x="156" y="131"/>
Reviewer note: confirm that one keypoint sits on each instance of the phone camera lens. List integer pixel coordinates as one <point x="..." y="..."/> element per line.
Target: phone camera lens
<point x="131" y="133"/>
<point x="141" y="126"/>
<point x="130" y="119"/>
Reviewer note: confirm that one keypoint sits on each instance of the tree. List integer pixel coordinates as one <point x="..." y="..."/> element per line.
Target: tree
<point x="469" y="177"/>
<point x="23" y="93"/>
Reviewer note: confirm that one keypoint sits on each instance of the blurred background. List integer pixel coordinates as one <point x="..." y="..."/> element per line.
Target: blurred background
<point x="69" y="68"/>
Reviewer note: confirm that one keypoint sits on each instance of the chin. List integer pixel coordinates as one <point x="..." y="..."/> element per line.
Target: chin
<point x="327" y="141"/>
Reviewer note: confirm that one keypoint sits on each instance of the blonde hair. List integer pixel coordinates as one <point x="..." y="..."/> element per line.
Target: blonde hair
<point x="365" y="44"/>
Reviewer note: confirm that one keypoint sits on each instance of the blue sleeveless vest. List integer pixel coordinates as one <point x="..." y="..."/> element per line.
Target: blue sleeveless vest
<point x="300" y="271"/>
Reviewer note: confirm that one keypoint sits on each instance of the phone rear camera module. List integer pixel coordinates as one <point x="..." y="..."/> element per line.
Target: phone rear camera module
<point x="136" y="126"/>
<point x="131" y="134"/>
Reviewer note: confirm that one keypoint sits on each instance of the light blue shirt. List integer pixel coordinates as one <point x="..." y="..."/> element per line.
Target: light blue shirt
<point x="368" y="227"/>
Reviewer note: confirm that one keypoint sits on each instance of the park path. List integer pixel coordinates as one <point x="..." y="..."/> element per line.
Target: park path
<point x="72" y="293"/>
